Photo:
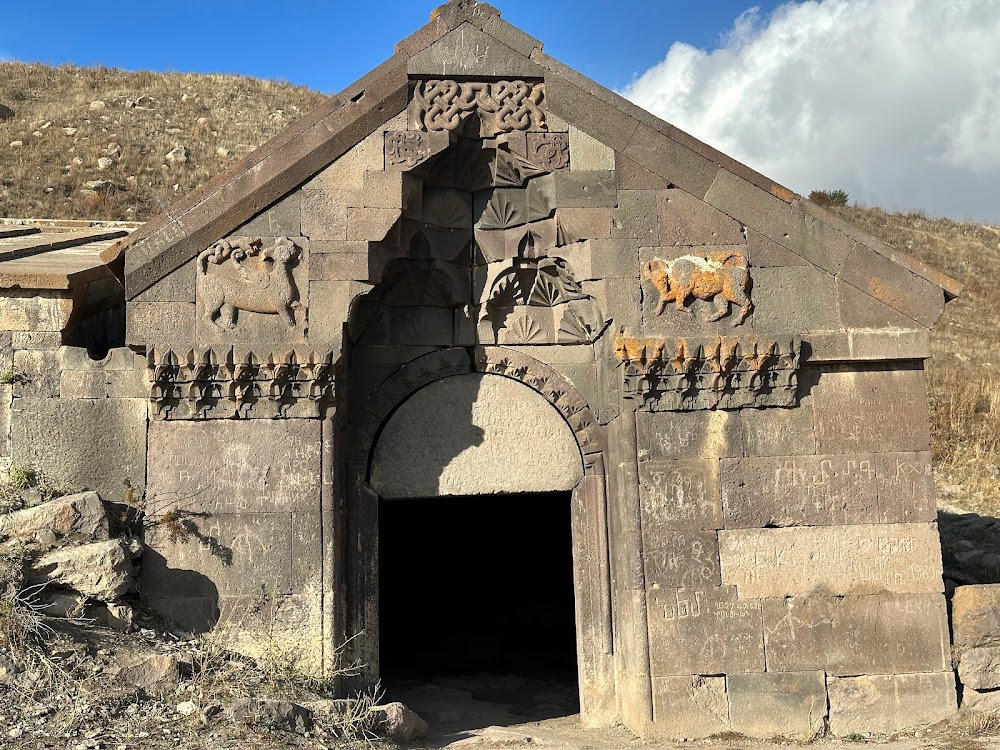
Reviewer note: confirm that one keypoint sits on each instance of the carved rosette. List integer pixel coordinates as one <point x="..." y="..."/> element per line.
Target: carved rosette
<point x="505" y="105"/>
<point x="199" y="384"/>
<point x="712" y="373"/>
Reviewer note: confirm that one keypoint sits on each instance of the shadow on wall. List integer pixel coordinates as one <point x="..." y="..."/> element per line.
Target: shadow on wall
<point x="970" y="549"/>
<point x="187" y="597"/>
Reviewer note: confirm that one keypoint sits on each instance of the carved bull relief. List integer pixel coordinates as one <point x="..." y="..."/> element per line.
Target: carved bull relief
<point x="722" y="278"/>
<point x="711" y="373"/>
<point x="243" y="275"/>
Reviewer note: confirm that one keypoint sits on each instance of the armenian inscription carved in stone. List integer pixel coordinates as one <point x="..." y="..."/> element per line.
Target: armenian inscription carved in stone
<point x="243" y="274"/>
<point x="201" y="384"/>
<point x="508" y="105"/>
<point x="721" y="278"/>
<point x="712" y="373"/>
<point x="832" y="560"/>
<point x="236" y="466"/>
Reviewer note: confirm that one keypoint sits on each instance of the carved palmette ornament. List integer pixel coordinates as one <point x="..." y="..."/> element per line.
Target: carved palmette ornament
<point x="711" y="373"/>
<point x="199" y="384"/>
<point x="445" y="105"/>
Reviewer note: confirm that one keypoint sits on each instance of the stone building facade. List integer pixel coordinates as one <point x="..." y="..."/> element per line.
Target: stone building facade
<point x="477" y="273"/>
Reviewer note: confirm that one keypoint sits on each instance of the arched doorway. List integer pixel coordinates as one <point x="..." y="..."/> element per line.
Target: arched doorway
<point x="512" y="407"/>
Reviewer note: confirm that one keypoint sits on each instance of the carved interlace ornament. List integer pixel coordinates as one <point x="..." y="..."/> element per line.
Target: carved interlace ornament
<point x="199" y="384"/>
<point x="722" y="278"/>
<point x="244" y="274"/>
<point x="550" y="151"/>
<point x="711" y="373"/>
<point x="445" y="105"/>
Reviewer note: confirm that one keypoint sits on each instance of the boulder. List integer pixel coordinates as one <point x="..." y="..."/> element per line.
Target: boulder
<point x="332" y="709"/>
<point x="177" y="155"/>
<point x="5" y="112"/>
<point x="73" y="518"/>
<point x="102" y="570"/>
<point x="283" y="715"/>
<point x="979" y="668"/>
<point x="155" y="675"/>
<point x="399" y="723"/>
<point x="975" y="615"/>
<point x="982" y="702"/>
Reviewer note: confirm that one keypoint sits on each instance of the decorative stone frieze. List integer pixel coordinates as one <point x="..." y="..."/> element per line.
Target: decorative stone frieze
<point x="202" y="384"/>
<point x="510" y="105"/>
<point x="712" y="373"/>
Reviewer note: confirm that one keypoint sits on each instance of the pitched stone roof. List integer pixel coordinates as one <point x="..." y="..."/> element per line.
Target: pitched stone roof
<point x="644" y="144"/>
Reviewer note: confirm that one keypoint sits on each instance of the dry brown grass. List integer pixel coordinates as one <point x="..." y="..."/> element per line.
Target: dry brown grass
<point x="964" y="371"/>
<point x="217" y="118"/>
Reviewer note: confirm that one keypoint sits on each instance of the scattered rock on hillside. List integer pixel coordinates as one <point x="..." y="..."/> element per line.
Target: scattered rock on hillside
<point x="291" y="717"/>
<point x="156" y="674"/>
<point x="5" y="112"/>
<point x="105" y="162"/>
<point x="399" y="723"/>
<point x="177" y="155"/>
<point x="99" y="105"/>
<point x="66" y="519"/>
<point x="100" y="186"/>
<point x="102" y="570"/>
<point x="15" y="144"/>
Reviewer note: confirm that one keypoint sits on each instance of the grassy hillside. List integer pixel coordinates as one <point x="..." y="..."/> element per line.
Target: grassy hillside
<point x="68" y="118"/>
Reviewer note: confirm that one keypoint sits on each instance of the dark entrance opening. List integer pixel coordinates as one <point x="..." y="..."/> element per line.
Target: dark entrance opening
<point x="478" y="586"/>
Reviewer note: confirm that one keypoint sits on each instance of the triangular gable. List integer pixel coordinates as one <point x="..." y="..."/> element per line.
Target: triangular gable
<point x="465" y="38"/>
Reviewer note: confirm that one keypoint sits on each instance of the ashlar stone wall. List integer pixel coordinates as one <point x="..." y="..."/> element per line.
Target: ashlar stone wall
<point x="742" y="376"/>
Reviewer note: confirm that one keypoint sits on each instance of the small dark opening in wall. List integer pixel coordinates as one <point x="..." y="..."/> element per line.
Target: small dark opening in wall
<point x="472" y="585"/>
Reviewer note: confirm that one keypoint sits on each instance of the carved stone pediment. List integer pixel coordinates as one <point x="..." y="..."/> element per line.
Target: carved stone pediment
<point x="502" y="106"/>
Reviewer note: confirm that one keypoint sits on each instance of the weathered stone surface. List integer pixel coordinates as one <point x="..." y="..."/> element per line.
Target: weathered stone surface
<point x="33" y="340"/>
<point x="588" y="154"/>
<point x="779" y="432"/>
<point x="698" y="435"/>
<point x="686" y="221"/>
<point x="468" y="51"/>
<point x="866" y="344"/>
<point x="70" y="518"/>
<point x="585" y="223"/>
<point x="283" y="715"/>
<point x="102" y="570"/>
<point x="860" y="310"/>
<point x="905" y="483"/>
<point x="214" y="467"/>
<point x="467" y="435"/>
<point x="890" y="703"/>
<point x="156" y="675"/>
<point x="283" y="219"/>
<point x="766" y="253"/>
<point x="979" y="668"/>
<point x="399" y="723"/>
<point x="661" y="155"/>
<point x="585" y="190"/>
<point x="690" y="708"/>
<point x="635" y="218"/>
<point x="83" y="384"/>
<point x="975" y="613"/>
<point x="177" y="286"/>
<point x="160" y="323"/>
<point x="681" y="559"/>
<point x="799" y="299"/>
<point x="35" y="311"/>
<point x="799" y="491"/>
<point x="852" y="635"/>
<point x="980" y="702"/>
<point x="347" y="173"/>
<point x="754" y="207"/>
<point x="833" y="560"/>
<point x="370" y="224"/>
<point x="778" y="704"/>
<point x="871" y="410"/>
<point x="680" y="494"/>
<point x="704" y="631"/>
<point x="891" y="283"/>
<point x="324" y="214"/>
<point x="46" y="435"/>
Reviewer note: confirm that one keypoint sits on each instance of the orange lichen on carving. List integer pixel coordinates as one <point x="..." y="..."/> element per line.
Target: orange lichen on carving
<point x="722" y="278"/>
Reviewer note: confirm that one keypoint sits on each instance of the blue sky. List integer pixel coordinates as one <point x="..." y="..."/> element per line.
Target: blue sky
<point x="327" y="45"/>
<point x="896" y="101"/>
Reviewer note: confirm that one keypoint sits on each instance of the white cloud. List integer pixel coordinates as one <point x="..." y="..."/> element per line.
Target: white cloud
<point x="896" y="101"/>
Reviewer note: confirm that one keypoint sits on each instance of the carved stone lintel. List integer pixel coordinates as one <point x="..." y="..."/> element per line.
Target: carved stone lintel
<point x="711" y="373"/>
<point x="507" y="105"/>
<point x="199" y="384"/>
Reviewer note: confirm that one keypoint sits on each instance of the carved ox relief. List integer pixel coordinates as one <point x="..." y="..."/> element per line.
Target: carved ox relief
<point x="720" y="278"/>
<point x="243" y="274"/>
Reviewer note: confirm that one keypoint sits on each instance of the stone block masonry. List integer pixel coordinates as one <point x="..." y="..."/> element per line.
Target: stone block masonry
<point x="467" y="252"/>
